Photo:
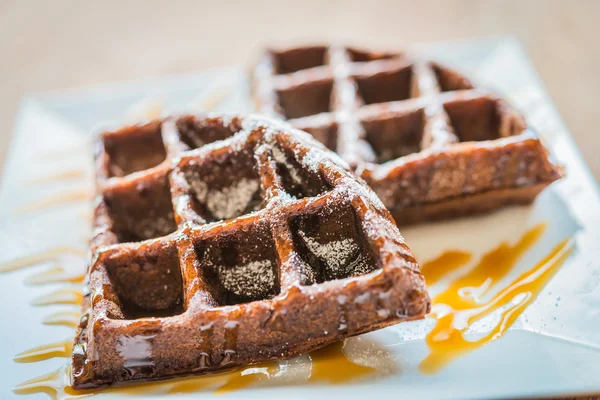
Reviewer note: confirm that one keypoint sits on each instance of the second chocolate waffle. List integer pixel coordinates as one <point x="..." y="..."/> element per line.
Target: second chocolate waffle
<point x="430" y="144"/>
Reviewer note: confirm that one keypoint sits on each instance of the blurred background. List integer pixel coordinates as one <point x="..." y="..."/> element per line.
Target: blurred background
<point x="58" y="44"/>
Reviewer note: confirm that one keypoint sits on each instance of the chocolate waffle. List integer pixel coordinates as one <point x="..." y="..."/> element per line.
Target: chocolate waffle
<point x="221" y="241"/>
<point x="429" y="144"/>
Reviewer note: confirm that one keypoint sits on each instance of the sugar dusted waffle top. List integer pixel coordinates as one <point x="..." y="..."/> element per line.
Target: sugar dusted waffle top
<point x="429" y="144"/>
<point x="228" y="240"/>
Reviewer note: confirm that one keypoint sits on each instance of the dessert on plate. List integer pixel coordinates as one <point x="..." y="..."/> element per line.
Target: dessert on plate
<point x="429" y="143"/>
<point x="228" y="240"/>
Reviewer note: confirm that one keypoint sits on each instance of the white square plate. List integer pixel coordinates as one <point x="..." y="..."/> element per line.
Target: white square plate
<point x="552" y="349"/>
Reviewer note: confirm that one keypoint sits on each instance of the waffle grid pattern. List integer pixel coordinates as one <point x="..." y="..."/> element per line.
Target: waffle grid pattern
<point x="221" y="241"/>
<point x="429" y="143"/>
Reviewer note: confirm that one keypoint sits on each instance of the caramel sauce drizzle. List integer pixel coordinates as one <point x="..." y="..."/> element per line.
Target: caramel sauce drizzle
<point x="329" y="364"/>
<point x="56" y="200"/>
<point x="447" y="262"/>
<point x="75" y="173"/>
<point x="193" y="384"/>
<point x="61" y="296"/>
<point x="249" y="377"/>
<point x="494" y="265"/>
<point x="64" y="318"/>
<point x="446" y="341"/>
<point x="54" y="384"/>
<point x="38" y="258"/>
<point x="53" y="275"/>
<point x="45" y="352"/>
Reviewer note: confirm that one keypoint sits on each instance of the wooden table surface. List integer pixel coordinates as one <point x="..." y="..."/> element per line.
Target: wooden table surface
<point x="50" y="45"/>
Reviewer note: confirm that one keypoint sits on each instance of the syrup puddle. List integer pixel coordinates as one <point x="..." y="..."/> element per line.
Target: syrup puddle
<point x="249" y="377"/>
<point x="446" y="340"/>
<point x="45" y="352"/>
<point x="60" y="176"/>
<point x="56" y="200"/>
<point x="448" y="262"/>
<point x="54" y="384"/>
<point x="332" y="366"/>
<point x="327" y="365"/>
<point x="494" y="265"/>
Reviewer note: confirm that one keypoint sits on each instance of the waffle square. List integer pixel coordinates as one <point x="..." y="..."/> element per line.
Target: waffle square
<point x="429" y="144"/>
<point x="228" y="240"/>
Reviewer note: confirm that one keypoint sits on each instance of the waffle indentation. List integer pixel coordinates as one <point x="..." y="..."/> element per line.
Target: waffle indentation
<point x="135" y="149"/>
<point x="196" y="132"/>
<point x="297" y="180"/>
<point x="396" y="136"/>
<point x="357" y="55"/>
<point x="475" y="119"/>
<point x="387" y="86"/>
<point x="304" y="100"/>
<point x="331" y="243"/>
<point x="241" y="262"/>
<point x="140" y="209"/>
<point x="223" y="185"/>
<point x="299" y="59"/>
<point x="449" y="80"/>
<point x="147" y="281"/>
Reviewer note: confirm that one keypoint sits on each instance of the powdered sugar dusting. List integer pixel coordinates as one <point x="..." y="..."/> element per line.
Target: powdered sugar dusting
<point x="342" y="257"/>
<point x="255" y="279"/>
<point x="155" y="225"/>
<point x="228" y="202"/>
<point x="311" y="160"/>
<point x="281" y="158"/>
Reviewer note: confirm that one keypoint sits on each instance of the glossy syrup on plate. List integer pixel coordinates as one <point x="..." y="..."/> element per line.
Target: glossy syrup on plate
<point x="77" y="196"/>
<point x="328" y="365"/>
<point x="71" y="296"/>
<point x="45" y="352"/>
<point x="446" y="341"/>
<point x="50" y="255"/>
<point x="54" y="275"/>
<point x="70" y="174"/>
<point x="64" y="318"/>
